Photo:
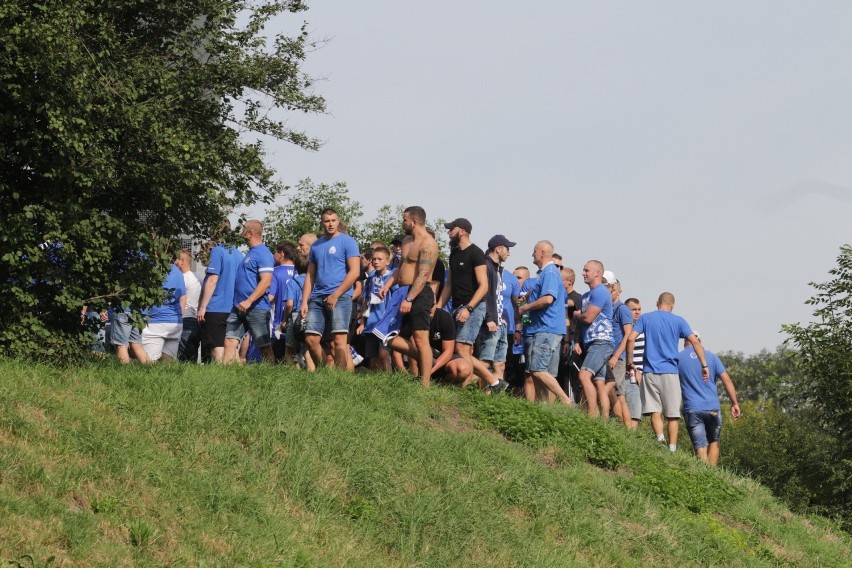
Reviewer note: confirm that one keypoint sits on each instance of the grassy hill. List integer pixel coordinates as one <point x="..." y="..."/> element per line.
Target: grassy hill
<point x="260" y="466"/>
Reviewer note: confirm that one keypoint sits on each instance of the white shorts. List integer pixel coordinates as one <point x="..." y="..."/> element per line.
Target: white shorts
<point x="661" y="393"/>
<point x="160" y="339"/>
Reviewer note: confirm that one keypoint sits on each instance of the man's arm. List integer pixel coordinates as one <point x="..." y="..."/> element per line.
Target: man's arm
<point x="310" y="276"/>
<point x="353" y="271"/>
<point x="588" y="316"/>
<point x="259" y="290"/>
<point x="481" y="273"/>
<point x="209" y="287"/>
<point x="622" y="347"/>
<point x="447" y="291"/>
<point x="699" y="350"/>
<point x="732" y="394"/>
<point x="630" y="345"/>
<point x="425" y="266"/>
<point x="448" y="347"/>
<point x="539" y="304"/>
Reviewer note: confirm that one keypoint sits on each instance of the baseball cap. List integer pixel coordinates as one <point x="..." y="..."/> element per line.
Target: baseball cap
<point x="461" y="223"/>
<point x="498" y="241"/>
<point x="397" y="239"/>
<point x="609" y="277"/>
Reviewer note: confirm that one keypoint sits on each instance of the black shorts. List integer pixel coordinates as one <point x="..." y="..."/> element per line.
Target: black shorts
<point x="213" y="329"/>
<point x="418" y="319"/>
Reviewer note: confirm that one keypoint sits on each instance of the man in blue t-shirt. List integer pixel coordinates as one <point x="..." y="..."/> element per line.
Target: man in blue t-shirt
<point x="161" y="335"/>
<point x="334" y="265"/>
<point x="595" y="320"/>
<point x="545" y="304"/>
<point x="661" y="394"/>
<point x="284" y="255"/>
<point x="622" y="325"/>
<point x="217" y="295"/>
<point x="701" y="409"/>
<point x="250" y="304"/>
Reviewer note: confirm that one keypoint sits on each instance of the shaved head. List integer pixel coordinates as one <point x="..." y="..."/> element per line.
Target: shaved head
<point x="666" y="299"/>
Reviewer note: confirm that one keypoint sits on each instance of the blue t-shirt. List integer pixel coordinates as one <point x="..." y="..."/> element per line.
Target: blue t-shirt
<point x="601" y="327"/>
<point x="224" y="262"/>
<point x="621" y="315"/>
<point x="330" y="256"/>
<point x="258" y="261"/>
<point x="699" y="394"/>
<point x="510" y="289"/>
<point x="662" y="331"/>
<point x="169" y="311"/>
<point x="280" y="276"/>
<point x="293" y="293"/>
<point x="552" y="318"/>
<point x="377" y="307"/>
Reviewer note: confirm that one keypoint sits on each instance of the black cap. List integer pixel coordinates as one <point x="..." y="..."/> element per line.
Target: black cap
<point x="397" y="239"/>
<point x="461" y="223"/>
<point x="498" y="241"/>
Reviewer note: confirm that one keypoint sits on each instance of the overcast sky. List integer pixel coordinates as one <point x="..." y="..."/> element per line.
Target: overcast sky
<point x="697" y="148"/>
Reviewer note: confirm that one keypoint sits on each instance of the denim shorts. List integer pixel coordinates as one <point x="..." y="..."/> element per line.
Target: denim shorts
<point x="704" y="427"/>
<point x="544" y="351"/>
<point x="321" y="320"/>
<point x="468" y="331"/>
<point x="486" y="343"/>
<point x="255" y="321"/>
<point x="597" y="359"/>
<point x="123" y="332"/>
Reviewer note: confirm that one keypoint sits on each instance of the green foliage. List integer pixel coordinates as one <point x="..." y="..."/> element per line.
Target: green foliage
<point x="529" y="423"/>
<point x="763" y="376"/>
<point x="301" y="213"/>
<point x="142" y="533"/>
<point x="122" y="121"/>
<point x="790" y="454"/>
<point x="177" y="465"/>
<point x="825" y="385"/>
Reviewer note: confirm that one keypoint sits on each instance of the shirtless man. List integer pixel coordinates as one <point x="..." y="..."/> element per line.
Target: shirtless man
<point x="418" y="262"/>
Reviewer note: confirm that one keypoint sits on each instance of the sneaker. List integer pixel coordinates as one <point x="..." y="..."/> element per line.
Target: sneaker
<point x="497" y="388"/>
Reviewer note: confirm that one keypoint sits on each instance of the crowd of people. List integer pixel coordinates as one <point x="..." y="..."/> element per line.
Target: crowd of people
<point x="396" y="306"/>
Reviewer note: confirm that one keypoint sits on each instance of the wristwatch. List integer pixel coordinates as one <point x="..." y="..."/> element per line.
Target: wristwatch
<point x="469" y="308"/>
<point x="409" y="300"/>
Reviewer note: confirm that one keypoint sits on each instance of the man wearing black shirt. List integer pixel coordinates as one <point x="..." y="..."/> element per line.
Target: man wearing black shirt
<point x="468" y="286"/>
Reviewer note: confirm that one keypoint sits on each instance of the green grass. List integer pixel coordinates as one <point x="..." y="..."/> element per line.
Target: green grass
<point x="261" y="466"/>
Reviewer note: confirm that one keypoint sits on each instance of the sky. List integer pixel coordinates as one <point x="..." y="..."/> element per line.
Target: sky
<point x="697" y="148"/>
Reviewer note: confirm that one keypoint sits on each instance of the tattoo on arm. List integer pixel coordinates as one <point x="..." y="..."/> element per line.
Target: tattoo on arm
<point x="425" y="267"/>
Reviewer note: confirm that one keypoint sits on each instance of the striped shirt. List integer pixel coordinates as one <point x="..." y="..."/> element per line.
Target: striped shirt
<point x="639" y="352"/>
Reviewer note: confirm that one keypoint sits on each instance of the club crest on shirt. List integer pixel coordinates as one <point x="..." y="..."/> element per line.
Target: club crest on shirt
<point x="332" y="250"/>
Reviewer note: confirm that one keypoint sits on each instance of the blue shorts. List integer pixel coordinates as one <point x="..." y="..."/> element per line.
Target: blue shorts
<point x="468" y="331"/>
<point x="543" y="354"/>
<point x="704" y="427"/>
<point x="123" y="332"/>
<point x="597" y="358"/>
<point x="321" y="320"/>
<point x="255" y="321"/>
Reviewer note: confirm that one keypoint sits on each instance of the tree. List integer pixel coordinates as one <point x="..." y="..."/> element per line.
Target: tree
<point x="764" y="376"/>
<point x="301" y="213"/>
<point x="122" y="126"/>
<point x="825" y="360"/>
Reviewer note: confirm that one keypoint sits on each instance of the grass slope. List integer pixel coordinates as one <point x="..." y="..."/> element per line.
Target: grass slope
<point x="260" y="466"/>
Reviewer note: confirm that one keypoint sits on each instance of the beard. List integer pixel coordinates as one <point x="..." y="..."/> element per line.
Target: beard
<point x="454" y="242"/>
<point x="407" y="230"/>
